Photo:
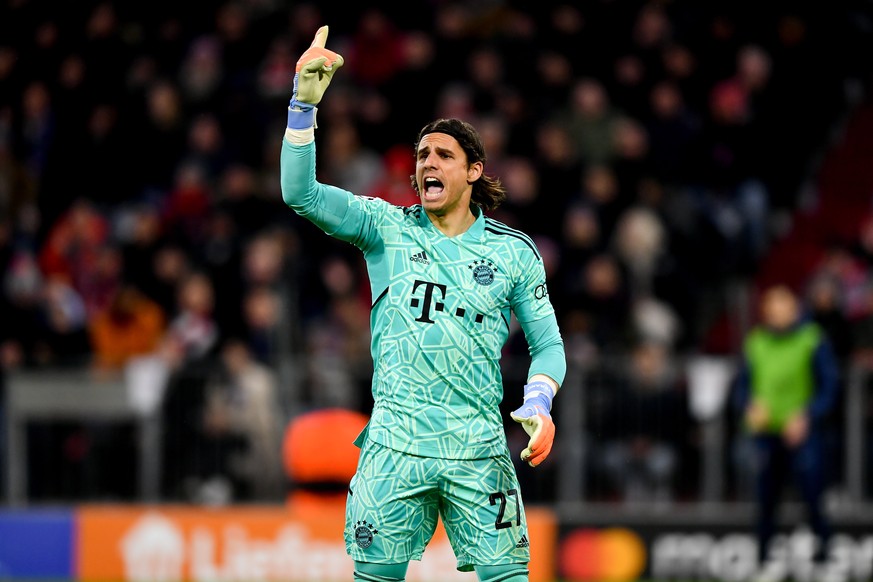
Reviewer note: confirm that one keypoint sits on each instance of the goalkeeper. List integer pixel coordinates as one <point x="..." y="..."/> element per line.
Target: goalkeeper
<point x="445" y="280"/>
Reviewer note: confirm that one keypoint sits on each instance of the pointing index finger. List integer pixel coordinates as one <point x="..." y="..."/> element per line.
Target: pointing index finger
<point x="320" y="37"/>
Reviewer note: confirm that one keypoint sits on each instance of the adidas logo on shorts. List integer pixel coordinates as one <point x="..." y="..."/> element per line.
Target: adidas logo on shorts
<point x="523" y="542"/>
<point x="420" y="258"/>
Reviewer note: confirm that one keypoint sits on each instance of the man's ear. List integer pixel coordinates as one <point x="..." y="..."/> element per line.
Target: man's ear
<point x="474" y="172"/>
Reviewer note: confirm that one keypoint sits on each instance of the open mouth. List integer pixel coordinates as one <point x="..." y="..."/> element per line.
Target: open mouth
<point x="432" y="188"/>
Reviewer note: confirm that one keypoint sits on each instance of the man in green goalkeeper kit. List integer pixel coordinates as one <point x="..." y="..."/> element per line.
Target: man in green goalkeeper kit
<point x="445" y="280"/>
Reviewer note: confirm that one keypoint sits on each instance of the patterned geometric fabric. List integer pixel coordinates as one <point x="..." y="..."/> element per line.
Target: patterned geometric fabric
<point x="440" y="319"/>
<point x="395" y="498"/>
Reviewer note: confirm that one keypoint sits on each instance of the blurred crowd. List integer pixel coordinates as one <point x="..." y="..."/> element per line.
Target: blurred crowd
<point x="649" y="147"/>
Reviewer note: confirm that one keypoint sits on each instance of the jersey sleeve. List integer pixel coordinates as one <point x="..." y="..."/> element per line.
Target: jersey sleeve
<point x="534" y="311"/>
<point x="339" y="213"/>
<point x="546" y="349"/>
<point x="529" y="298"/>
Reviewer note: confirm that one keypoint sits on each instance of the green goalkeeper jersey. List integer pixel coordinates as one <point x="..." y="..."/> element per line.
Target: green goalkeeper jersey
<point x="441" y="314"/>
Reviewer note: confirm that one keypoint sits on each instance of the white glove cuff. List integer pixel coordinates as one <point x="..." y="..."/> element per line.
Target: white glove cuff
<point x="300" y="137"/>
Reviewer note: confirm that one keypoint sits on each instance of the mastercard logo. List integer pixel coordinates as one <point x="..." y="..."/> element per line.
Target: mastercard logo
<point x="603" y="555"/>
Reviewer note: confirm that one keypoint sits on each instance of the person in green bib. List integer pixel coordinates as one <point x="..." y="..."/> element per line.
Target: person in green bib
<point x="787" y="388"/>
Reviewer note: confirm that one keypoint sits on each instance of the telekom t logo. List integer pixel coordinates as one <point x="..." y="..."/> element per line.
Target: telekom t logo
<point x="437" y="301"/>
<point x="429" y="299"/>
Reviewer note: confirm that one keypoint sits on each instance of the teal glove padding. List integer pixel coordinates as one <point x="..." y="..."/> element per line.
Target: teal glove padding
<point x="315" y="69"/>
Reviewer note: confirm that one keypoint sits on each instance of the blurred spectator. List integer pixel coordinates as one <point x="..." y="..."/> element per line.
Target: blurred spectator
<point x="651" y="30"/>
<point x="862" y="246"/>
<point x="754" y="69"/>
<point x="862" y="334"/>
<point x="18" y="188"/>
<point x="64" y="323"/>
<point x="495" y="133"/>
<point x="523" y="187"/>
<point x="240" y="47"/>
<point x="192" y="324"/>
<point x="681" y="66"/>
<point x="185" y="209"/>
<point x="265" y="259"/>
<point x="600" y="187"/>
<point x="241" y="430"/>
<point x="849" y="273"/>
<point x="558" y="161"/>
<point x="169" y="267"/>
<point x="101" y="167"/>
<point x="628" y="84"/>
<point x="162" y="134"/>
<point x="603" y="294"/>
<point x="129" y="326"/>
<point x="207" y="149"/>
<point x="640" y="242"/>
<point x="140" y="234"/>
<point x="862" y="358"/>
<point x="672" y="130"/>
<point x="220" y="257"/>
<point x="375" y="49"/>
<point x="38" y="126"/>
<point x="339" y="334"/>
<point x="655" y="321"/>
<point x="826" y="305"/>
<point x="73" y="242"/>
<point x="632" y="162"/>
<point x="419" y="55"/>
<point x="105" y="50"/>
<point x="558" y="174"/>
<point x="645" y="428"/>
<point x="455" y="100"/>
<point x="590" y="119"/>
<point x="579" y="346"/>
<point x="189" y="347"/>
<point x="201" y="72"/>
<point x="240" y="197"/>
<point x="348" y="163"/>
<point x="275" y="78"/>
<point x="263" y="324"/>
<point x="787" y="389"/>
<point x="101" y="278"/>
<point x="486" y="78"/>
<point x="581" y="235"/>
<point x="395" y="185"/>
<point x="22" y="285"/>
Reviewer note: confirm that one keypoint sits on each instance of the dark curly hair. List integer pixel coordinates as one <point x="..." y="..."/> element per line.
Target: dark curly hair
<point x="488" y="192"/>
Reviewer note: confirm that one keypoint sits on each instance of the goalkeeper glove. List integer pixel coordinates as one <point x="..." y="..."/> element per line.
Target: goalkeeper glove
<point x="315" y="69"/>
<point x="534" y="416"/>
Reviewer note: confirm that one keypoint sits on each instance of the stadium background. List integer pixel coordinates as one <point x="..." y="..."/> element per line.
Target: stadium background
<point x="167" y="326"/>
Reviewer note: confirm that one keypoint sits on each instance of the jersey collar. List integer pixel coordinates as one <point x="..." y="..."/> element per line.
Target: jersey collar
<point x="475" y="232"/>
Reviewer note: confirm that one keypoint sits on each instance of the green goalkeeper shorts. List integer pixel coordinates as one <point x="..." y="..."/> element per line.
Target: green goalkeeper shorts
<point x="395" y="500"/>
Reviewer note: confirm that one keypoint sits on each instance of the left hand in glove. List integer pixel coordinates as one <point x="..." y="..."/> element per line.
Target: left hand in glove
<point x="315" y="69"/>
<point x="536" y="419"/>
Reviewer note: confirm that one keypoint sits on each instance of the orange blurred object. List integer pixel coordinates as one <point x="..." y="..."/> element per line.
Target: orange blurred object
<point x="318" y="446"/>
<point x="132" y="325"/>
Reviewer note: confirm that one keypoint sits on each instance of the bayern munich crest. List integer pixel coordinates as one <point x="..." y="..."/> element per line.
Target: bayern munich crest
<point x="483" y="271"/>
<point x="364" y="533"/>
